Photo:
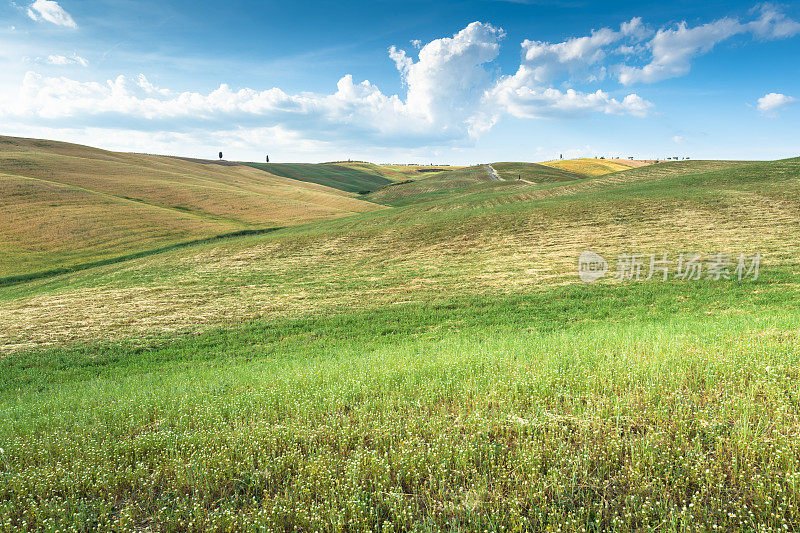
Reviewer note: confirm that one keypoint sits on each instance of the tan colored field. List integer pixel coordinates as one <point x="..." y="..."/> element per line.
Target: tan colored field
<point x="595" y="167"/>
<point x="66" y="204"/>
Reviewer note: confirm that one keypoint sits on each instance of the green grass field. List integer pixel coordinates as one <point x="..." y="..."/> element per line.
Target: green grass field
<point x="435" y="365"/>
<point x="534" y="172"/>
<point x="437" y="185"/>
<point x="357" y="179"/>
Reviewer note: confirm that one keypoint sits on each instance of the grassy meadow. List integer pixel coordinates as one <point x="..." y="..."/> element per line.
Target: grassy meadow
<point x="352" y="178"/>
<point x="534" y="173"/>
<point x="430" y="365"/>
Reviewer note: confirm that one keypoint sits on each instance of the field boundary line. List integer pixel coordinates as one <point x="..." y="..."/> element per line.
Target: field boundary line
<point x="22" y="278"/>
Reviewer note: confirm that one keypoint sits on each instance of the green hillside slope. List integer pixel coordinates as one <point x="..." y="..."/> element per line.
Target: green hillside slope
<point x="438" y="185"/>
<point x="345" y="178"/>
<point x="534" y="172"/>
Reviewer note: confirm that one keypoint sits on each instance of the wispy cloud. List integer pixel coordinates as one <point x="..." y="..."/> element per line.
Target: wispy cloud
<point x="73" y="59"/>
<point x="636" y="53"/>
<point x="59" y="60"/>
<point x="50" y="11"/>
<point x="672" y="49"/>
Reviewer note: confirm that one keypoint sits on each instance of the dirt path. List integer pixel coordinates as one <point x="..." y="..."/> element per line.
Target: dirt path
<point x="494" y="176"/>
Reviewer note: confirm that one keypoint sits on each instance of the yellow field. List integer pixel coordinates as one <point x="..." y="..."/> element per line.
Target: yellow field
<point x="65" y="204"/>
<point x="594" y="167"/>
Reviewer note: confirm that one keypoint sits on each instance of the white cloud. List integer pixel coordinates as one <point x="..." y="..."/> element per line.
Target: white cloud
<point x="73" y="59"/>
<point x="443" y="90"/>
<point x="354" y="109"/>
<point x="674" y="48"/>
<point x="449" y="96"/>
<point x="50" y="11"/>
<point x="666" y="53"/>
<point x="772" y="24"/>
<point x="678" y="139"/>
<point x="529" y="93"/>
<point x="522" y="100"/>
<point x="543" y="61"/>
<point x="452" y="90"/>
<point x="148" y="87"/>
<point x="446" y="81"/>
<point x="770" y="103"/>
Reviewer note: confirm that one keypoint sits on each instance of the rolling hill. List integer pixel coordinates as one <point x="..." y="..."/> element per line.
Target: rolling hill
<point x="444" y="184"/>
<point x="535" y="173"/>
<point x="397" y="172"/>
<point x="433" y="365"/>
<point x="361" y="178"/>
<point x="64" y="205"/>
<point x="594" y="167"/>
<point x="479" y="235"/>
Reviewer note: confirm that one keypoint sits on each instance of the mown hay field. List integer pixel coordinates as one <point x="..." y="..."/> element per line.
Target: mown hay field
<point x="67" y="205"/>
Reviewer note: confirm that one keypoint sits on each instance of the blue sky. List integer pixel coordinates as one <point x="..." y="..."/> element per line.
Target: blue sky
<point x="445" y="82"/>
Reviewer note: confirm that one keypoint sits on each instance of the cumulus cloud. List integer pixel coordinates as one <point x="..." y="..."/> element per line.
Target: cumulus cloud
<point x="144" y="84"/>
<point x="450" y="95"/>
<point x="543" y="61"/>
<point x="449" y="76"/>
<point x="529" y="93"/>
<point x="50" y="11"/>
<point x="635" y="53"/>
<point x="770" y="103"/>
<point x="354" y="109"/>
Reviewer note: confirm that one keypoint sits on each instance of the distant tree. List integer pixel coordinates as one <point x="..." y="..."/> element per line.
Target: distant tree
<point x="220" y="155"/>
<point x="267" y="159"/>
<point x="561" y="156"/>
